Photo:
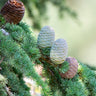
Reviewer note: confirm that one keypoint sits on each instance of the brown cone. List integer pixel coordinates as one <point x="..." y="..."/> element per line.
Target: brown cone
<point x="13" y="11"/>
<point x="73" y="67"/>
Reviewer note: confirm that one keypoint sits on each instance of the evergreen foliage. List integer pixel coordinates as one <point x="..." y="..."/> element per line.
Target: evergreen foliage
<point x="21" y="53"/>
<point x="21" y="50"/>
<point x="3" y="83"/>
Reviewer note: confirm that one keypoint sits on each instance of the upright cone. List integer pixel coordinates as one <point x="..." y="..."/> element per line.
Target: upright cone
<point x="59" y="51"/>
<point x="73" y="68"/>
<point x="13" y="11"/>
<point x="46" y="37"/>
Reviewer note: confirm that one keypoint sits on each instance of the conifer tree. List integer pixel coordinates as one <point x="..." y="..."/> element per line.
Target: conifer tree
<point x="20" y="51"/>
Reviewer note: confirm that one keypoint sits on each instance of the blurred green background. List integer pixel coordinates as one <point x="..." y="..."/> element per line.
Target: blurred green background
<point x="79" y="31"/>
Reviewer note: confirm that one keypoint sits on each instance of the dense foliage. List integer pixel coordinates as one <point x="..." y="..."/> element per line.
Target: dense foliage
<point x="21" y="53"/>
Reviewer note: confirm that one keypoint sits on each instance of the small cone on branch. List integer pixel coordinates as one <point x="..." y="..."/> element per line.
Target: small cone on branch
<point x="46" y="37"/>
<point x="73" y="68"/>
<point x="59" y="51"/>
<point x="13" y="11"/>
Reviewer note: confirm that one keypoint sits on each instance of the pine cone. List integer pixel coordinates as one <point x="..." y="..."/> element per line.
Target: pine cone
<point x="46" y="37"/>
<point x="13" y="11"/>
<point x="73" y="67"/>
<point x="59" y="51"/>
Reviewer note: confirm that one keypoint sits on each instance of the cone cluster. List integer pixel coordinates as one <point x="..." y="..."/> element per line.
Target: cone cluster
<point x="58" y="51"/>
<point x="13" y="11"/>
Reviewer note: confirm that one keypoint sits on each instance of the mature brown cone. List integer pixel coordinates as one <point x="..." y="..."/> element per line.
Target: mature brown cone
<point x="13" y="11"/>
<point x="73" y="67"/>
